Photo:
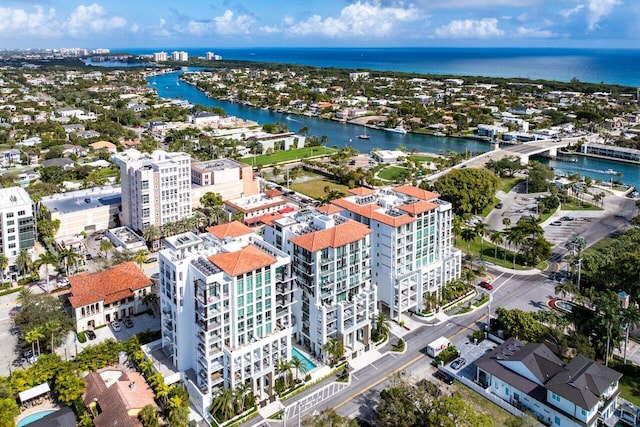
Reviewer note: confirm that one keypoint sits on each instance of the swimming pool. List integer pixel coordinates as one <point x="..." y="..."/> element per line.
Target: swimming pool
<point x="305" y="360"/>
<point x="34" y="417"/>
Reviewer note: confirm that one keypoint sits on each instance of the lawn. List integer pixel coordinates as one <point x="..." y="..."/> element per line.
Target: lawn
<point x="496" y="414"/>
<point x="315" y="188"/>
<point x="392" y="173"/>
<point x="287" y="156"/>
<point x="574" y="205"/>
<point x="488" y="252"/>
<point x="630" y="389"/>
<point x="422" y="159"/>
<point x="506" y="184"/>
<point x="487" y="209"/>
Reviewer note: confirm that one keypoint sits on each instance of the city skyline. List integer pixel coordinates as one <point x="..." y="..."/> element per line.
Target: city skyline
<point x="280" y="23"/>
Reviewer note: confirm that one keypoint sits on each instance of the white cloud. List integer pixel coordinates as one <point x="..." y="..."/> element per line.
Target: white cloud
<point x="477" y="4"/>
<point x="356" y="20"/>
<point x="161" y="30"/>
<point x="598" y="9"/>
<point x="92" y="19"/>
<point x="534" y="33"/>
<point x="230" y="24"/>
<point x="568" y="12"/>
<point x="469" y="28"/>
<point x="37" y="22"/>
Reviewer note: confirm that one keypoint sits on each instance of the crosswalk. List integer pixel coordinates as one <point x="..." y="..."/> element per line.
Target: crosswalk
<point x="303" y="406"/>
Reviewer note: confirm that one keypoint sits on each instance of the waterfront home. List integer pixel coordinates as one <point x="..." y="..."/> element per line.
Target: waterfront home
<point x="580" y="393"/>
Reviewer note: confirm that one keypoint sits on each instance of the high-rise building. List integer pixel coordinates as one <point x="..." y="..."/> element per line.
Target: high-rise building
<point x="179" y="56"/>
<point x="332" y="262"/>
<point x="226" y="300"/>
<point x="156" y="187"/>
<point x="17" y="224"/>
<point x="159" y="56"/>
<point x="412" y="253"/>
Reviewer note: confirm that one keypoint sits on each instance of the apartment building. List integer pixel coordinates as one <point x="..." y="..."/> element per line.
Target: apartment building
<point x="226" y="177"/>
<point x="332" y="261"/>
<point x="17" y="223"/>
<point x="259" y="207"/>
<point x="412" y="253"/>
<point x="225" y="299"/>
<point x="155" y="187"/>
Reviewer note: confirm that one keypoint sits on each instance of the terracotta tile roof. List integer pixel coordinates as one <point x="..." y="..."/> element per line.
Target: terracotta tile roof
<point x="270" y="219"/>
<point x="247" y="259"/>
<point x="418" y="207"/>
<point x="416" y="192"/>
<point x="361" y="191"/>
<point x="334" y="237"/>
<point x="329" y="209"/>
<point x="273" y="193"/>
<point x="374" y="212"/>
<point x="109" y="285"/>
<point x="230" y="229"/>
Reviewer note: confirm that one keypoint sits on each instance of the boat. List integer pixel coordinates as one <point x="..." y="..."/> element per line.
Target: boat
<point x="610" y="172"/>
<point x="364" y="135"/>
<point x="397" y="129"/>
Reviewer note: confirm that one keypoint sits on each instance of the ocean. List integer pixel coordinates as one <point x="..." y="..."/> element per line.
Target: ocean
<point x="612" y="66"/>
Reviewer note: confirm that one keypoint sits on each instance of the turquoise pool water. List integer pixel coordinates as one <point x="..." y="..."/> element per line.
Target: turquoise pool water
<point x="305" y="360"/>
<point x="34" y="417"/>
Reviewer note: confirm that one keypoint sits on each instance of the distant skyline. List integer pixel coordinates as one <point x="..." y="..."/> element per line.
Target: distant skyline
<point x="323" y="23"/>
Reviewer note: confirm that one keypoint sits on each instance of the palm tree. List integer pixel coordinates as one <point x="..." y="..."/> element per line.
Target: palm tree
<point x="4" y="263"/>
<point x="382" y="325"/>
<point x="70" y="257"/>
<point x="506" y="222"/>
<point x="47" y="259"/>
<point x="298" y="365"/>
<point x="431" y="300"/>
<point x="200" y="220"/>
<point x="106" y="247"/>
<point x="150" y="300"/>
<point x="481" y="229"/>
<point x="224" y="404"/>
<point x="23" y="261"/>
<point x="334" y="349"/>
<point x="284" y="367"/>
<point x="36" y="335"/>
<point x="468" y="234"/>
<point x="566" y="288"/>
<point x="497" y="238"/>
<point x="23" y="294"/>
<point x="52" y="326"/>
<point x="515" y="237"/>
<point x="140" y="257"/>
<point x="630" y="318"/>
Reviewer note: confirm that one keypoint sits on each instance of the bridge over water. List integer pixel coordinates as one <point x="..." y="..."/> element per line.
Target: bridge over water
<point x="528" y="149"/>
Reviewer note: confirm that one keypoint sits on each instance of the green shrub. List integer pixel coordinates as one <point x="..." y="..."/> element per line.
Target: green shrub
<point x="446" y="355"/>
<point x="82" y="337"/>
<point x="399" y="346"/>
<point x="478" y="335"/>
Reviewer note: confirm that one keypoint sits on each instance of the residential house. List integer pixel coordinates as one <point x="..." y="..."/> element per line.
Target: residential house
<point x="100" y="298"/>
<point x="116" y="397"/>
<point x="580" y="393"/>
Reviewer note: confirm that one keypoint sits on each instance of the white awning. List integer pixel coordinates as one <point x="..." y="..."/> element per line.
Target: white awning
<point x="36" y="391"/>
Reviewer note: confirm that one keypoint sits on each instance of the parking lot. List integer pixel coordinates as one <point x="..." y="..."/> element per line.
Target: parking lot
<point x="470" y="352"/>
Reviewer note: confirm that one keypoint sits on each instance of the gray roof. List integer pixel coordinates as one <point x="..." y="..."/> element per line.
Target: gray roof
<point x="581" y="381"/>
<point x="63" y="417"/>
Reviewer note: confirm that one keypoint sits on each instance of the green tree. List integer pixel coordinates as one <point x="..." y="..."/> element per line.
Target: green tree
<point x="148" y="416"/>
<point x="211" y="200"/>
<point x="539" y="177"/>
<point x="9" y="410"/>
<point x="468" y="234"/>
<point x="223" y="406"/>
<point x="381" y="326"/>
<point x="23" y="261"/>
<point x="34" y="336"/>
<point x="469" y="190"/>
<point x="70" y="258"/>
<point x="140" y="257"/>
<point x="334" y="348"/>
<point x="69" y="387"/>
<point x="4" y="263"/>
<point x="481" y="228"/>
<point x="453" y="411"/>
<point x="519" y="324"/>
<point x="52" y="327"/>
<point x="298" y="365"/>
<point x="497" y="238"/>
<point x="177" y="412"/>
<point x="329" y="418"/>
<point x="106" y="247"/>
<point x="46" y="259"/>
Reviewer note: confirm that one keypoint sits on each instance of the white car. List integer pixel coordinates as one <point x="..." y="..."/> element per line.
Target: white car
<point x="116" y="326"/>
<point x="63" y="282"/>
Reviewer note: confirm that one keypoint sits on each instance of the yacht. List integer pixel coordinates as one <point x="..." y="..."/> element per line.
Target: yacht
<point x="397" y="129"/>
<point x="364" y="135"/>
<point x="610" y="172"/>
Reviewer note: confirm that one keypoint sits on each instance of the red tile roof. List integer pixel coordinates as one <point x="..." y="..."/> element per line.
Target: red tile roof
<point x="230" y="229"/>
<point x="273" y="193"/>
<point x="416" y="192"/>
<point x="109" y="285"/>
<point x="329" y="209"/>
<point x="247" y="259"/>
<point x="334" y="237"/>
<point x="418" y="207"/>
<point x="361" y="191"/>
<point x="374" y="212"/>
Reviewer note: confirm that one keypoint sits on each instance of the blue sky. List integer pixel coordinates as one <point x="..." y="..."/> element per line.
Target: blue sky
<point x="332" y="23"/>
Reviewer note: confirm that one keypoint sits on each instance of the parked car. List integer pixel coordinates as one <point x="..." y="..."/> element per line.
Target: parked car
<point x="89" y="257"/>
<point x="90" y="335"/>
<point x="116" y="326"/>
<point x="128" y="323"/>
<point x="458" y="363"/>
<point x="556" y="223"/>
<point x="499" y="206"/>
<point x="151" y="260"/>
<point x="486" y="285"/>
<point x="63" y="282"/>
<point x="444" y="377"/>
